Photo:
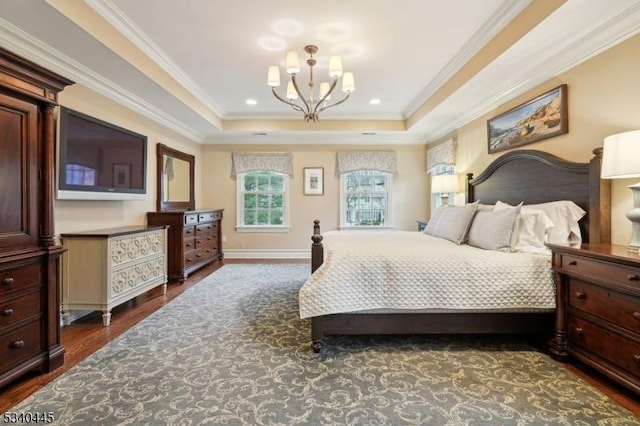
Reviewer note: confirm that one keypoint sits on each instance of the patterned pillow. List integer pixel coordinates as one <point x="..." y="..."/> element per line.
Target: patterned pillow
<point x="454" y="222"/>
<point x="431" y="225"/>
<point x="493" y="230"/>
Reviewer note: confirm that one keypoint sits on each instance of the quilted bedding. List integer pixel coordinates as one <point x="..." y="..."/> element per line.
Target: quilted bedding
<point x="372" y="270"/>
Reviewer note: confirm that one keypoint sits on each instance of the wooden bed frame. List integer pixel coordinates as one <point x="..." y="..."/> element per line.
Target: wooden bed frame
<point x="526" y="175"/>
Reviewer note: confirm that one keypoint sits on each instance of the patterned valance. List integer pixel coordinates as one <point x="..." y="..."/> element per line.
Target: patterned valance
<point x="244" y="162"/>
<point x="383" y="161"/>
<point x="443" y="154"/>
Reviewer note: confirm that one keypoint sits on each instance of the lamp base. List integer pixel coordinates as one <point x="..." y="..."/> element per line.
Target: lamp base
<point x="634" y="216"/>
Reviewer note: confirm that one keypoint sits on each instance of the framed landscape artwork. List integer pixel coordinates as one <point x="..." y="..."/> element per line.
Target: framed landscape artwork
<point x="313" y="181"/>
<point x="540" y="118"/>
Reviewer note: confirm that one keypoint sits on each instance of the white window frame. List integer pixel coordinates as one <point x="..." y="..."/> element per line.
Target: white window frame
<point x="284" y="227"/>
<point x="388" y="214"/>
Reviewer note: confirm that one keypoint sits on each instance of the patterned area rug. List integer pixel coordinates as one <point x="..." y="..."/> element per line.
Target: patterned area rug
<point x="233" y="350"/>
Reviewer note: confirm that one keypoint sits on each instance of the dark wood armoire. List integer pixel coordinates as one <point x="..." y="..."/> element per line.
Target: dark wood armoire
<point x="29" y="254"/>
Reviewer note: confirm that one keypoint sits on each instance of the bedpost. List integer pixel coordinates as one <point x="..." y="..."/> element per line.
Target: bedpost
<point x="470" y="196"/>
<point x="317" y="250"/>
<point x="599" y="201"/>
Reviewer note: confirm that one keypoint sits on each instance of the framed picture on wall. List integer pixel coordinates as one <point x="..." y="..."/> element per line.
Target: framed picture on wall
<point x="313" y="181"/>
<point x="540" y="118"/>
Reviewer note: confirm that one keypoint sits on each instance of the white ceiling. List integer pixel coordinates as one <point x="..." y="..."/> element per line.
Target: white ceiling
<point x="434" y="64"/>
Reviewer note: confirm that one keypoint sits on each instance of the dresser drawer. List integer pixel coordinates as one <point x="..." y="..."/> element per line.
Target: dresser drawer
<point x="618" y="350"/>
<point x="619" y="308"/>
<point x="206" y="253"/>
<point x="207" y="241"/>
<point x="209" y="216"/>
<point x="20" y="344"/>
<point x="17" y="309"/>
<point x="191" y="219"/>
<point x="601" y="271"/>
<point x="19" y="278"/>
<point x="189" y="244"/>
<point x="207" y="229"/>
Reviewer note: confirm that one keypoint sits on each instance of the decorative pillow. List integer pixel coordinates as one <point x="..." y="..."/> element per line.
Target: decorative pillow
<point x="492" y="230"/>
<point x="431" y="225"/>
<point x="530" y="230"/>
<point x="454" y="222"/>
<point x="565" y="216"/>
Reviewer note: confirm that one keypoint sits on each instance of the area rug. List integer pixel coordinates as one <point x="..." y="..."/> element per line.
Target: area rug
<point x="233" y="350"/>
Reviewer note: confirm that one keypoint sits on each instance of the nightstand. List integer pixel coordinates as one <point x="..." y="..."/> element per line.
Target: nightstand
<point x="598" y="309"/>
<point x="421" y="224"/>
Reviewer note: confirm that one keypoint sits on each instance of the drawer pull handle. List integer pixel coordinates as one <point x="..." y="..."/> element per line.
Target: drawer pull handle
<point x="579" y="331"/>
<point x="636" y="358"/>
<point x="18" y="344"/>
<point x="581" y="295"/>
<point x="636" y="315"/>
<point x="573" y="262"/>
<point x="7" y="312"/>
<point x="633" y="277"/>
<point x="7" y="281"/>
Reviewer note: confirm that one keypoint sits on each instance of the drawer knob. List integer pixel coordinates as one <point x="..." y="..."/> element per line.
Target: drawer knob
<point x="636" y="358"/>
<point x="579" y="331"/>
<point x="581" y="295"/>
<point x="7" y="281"/>
<point x="18" y="344"/>
<point x="573" y="262"/>
<point x="633" y="277"/>
<point x="636" y="315"/>
<point x="7" y="312"/>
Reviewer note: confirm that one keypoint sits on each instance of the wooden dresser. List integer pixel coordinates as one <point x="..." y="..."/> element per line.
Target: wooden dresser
<point x="598" y="309"/>
<point x="29" y="255"/>
<point x="195" y="239"/>
<point x="102" y="269"/>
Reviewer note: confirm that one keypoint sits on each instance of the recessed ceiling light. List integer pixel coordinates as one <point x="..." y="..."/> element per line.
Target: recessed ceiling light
<point x="374" y="101"/>
<point x="251" y="101"/>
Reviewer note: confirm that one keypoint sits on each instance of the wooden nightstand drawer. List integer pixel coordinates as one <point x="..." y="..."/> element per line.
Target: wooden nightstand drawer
<point x="19" y="278"/>
<point x="601" y="271"/>
<point x="606" y="344"/>
<point x="14" y="310"/>
<point x="618" y="308"/>
<point x="20" y="344"/>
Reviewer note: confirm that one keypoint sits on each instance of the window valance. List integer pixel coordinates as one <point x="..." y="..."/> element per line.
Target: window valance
<point x="443" y="154"/>
<point x="244" y="162"/>
<point x="383" y="161"/>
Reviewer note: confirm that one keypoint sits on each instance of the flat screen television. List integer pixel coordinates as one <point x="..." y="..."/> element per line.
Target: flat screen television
<point x="98" y="160"/>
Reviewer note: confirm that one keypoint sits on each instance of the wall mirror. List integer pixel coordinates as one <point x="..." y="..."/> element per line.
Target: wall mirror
<point x="175" y="179"/>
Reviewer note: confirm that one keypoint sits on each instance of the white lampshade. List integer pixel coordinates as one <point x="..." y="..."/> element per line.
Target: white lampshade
<point x="335" y="66"/>
<point x="324" y="88"/>
<point x="291" y="91"/>
<point x="273" y="76"/>
<point x="293" y="65"/>
<point x="620" y="157"/>
<point x="348" y="84"/>
<point x="445" y="184"/>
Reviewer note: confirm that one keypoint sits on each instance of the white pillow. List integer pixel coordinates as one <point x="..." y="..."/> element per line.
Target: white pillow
<point x="530" y="230"/>
<point x="454" y="222"/>
<point x="492" y="230"/>
<point x="565" y="216"/>
<point x="431" y="225"/>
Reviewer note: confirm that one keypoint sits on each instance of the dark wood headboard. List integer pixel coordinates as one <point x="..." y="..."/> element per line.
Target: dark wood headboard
<point x="538" y="177"/>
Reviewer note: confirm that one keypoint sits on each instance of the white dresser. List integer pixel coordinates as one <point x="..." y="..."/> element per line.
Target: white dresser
<point x="102" y="269"/>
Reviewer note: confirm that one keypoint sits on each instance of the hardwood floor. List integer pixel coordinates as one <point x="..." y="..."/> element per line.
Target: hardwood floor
<point x="86" y="335"/>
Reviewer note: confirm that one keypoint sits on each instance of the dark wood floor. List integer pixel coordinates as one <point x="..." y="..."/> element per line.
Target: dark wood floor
<point x="86" y="335"/>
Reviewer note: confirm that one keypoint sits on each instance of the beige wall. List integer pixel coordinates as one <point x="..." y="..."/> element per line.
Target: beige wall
<point x="603" y="99"/>
<point x="409" y="189"/>
<point x="80" y="215"/>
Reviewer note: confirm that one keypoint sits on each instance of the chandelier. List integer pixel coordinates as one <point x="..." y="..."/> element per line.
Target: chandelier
<point x="310" y="106"/>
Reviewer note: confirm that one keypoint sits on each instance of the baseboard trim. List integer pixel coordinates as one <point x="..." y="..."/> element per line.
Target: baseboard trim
<point x="267" y="254"/>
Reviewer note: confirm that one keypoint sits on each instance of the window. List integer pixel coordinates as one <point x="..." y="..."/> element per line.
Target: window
<point x="263" y="200"/>
<point x="366" y="197"/>
<point x="436" y="198"/>
<point x="77" y="174"/>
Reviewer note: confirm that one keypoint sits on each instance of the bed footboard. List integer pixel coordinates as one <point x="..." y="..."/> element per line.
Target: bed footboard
<point x="317" y="250"/>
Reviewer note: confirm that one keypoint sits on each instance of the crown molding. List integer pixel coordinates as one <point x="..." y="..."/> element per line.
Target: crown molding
<point x="36" y="51"/>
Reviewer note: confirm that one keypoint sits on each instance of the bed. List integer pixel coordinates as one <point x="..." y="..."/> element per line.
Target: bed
<point x="527" y="176"/>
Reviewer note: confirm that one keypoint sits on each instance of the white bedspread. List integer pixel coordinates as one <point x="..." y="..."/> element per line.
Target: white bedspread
<point x="368" y="270"/>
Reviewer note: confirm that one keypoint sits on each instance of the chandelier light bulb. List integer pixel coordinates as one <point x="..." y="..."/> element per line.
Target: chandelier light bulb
<point x="348" y="84"/>
<point x="335" y="66"/>
<point x="293" y="65"/>
<point x="273" y="76"/>
<point x="291" y="91"/>
<point x="324" y="89"/>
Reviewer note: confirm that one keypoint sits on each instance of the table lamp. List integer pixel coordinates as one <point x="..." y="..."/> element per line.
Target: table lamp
<point x="621" y="160"/>
<point x="444" y="185"/>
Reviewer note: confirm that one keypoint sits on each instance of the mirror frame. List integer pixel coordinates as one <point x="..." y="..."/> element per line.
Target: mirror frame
<point x="161" y="151"/>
